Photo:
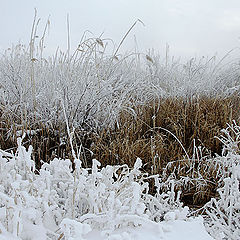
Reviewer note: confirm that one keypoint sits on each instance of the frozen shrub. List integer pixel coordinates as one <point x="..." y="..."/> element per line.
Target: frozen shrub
<point x="224" y="212"/>
<point x="59" y="201"/>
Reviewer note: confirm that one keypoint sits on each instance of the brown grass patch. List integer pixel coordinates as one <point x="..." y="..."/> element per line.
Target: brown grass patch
<point x="143" y="134"/>
<point x="163" y="131"/>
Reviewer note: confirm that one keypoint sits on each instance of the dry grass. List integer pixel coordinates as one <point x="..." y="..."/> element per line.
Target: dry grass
<point x="145" y="134"/>
<point x="160" y="132"/>
<point x="167" y="131"/>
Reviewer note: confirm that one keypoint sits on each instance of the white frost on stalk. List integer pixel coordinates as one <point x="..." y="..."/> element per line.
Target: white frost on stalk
<point x="138" y="163"/>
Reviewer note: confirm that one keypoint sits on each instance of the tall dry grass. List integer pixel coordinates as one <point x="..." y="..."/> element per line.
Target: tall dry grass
<point x="160" y="127"/>
<point x="173" y="136"/>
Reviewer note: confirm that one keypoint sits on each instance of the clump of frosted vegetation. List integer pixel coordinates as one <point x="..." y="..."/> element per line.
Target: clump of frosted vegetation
<point x="94" y="85"/>
<point x="59" y="201"/>
<point x="224" y="213"/>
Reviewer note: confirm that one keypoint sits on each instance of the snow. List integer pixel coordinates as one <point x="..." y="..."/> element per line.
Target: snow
<point x="188" y="230"/>
<point x="171" y="230"/>
<point x="174" y="230"/>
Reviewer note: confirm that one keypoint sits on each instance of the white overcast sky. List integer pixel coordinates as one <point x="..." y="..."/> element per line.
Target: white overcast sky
<point x="190" y="27"/>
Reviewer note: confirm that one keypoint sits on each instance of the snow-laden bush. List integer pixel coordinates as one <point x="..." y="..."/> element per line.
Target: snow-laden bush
<point x="224" y="212"/>
<point x="57" y="201"/>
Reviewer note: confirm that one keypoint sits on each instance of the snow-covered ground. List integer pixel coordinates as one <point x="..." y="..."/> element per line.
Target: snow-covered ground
<point x="166" y="230"/>
<point x="172" y="230"/>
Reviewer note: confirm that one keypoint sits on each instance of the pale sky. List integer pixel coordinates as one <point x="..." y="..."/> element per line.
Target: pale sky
<point x="190" y="27"/>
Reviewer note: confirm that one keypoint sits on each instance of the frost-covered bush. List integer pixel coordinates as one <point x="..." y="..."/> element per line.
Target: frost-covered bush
<point x="224" y="212"/>
<point x="58" y="201"/>
<point x="91" y="85"/>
